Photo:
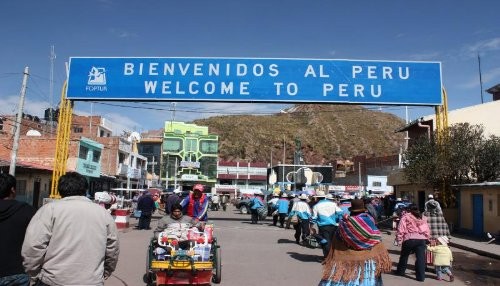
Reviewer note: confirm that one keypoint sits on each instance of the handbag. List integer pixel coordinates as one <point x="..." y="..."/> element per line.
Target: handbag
<point x="294" y="219"/>
<point x="137" y="213"/>
<point x="262" y="212"/>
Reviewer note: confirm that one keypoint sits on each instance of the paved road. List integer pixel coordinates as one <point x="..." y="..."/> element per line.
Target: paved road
<point x="266" y="255"/>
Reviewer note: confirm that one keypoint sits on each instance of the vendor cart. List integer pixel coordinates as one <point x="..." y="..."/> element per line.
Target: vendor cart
<point x="193" y="262"/>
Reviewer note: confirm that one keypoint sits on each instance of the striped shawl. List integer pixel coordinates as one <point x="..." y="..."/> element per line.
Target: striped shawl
<point x="359" y="232"/>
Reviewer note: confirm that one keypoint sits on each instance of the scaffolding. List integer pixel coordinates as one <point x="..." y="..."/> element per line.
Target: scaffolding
<point x="62" y="142"/>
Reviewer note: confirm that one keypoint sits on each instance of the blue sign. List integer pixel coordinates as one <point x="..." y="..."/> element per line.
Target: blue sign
<point x="255" y="80"/>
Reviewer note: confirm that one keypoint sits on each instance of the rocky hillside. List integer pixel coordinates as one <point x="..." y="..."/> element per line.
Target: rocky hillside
<point x="326" y="133"/>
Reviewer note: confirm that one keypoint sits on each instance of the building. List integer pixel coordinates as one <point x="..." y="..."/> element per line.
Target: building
<point x="469" y="196"/>
<point x="247" y="177"/>
<point x="293" y="177"/>
<point x="189" y="155"/>
<point x="150" y="146"/>
<point x="106" y="161"/>
<point x="479" y="206"/>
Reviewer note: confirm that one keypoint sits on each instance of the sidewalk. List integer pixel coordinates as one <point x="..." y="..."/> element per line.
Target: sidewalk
<point x="480" y="247"/>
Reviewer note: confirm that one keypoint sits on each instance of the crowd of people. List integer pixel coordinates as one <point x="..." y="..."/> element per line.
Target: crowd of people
<point x="350" y="237"/>
<point x="40" y="246"/>
<point x="39" y="249"/>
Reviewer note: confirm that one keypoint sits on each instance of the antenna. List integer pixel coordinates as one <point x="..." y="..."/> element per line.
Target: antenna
<point x="51" y="87"/>
<point x="480" y="77"/>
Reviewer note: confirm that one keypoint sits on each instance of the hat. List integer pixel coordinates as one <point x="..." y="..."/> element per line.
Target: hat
<point x="443" y="240"/>
<point x="329" y="197"/>
<point x="176" y="191"/>
<point x="320" y="193"/>
<point x="431" y="196"/>
<point x="398" y="200"/>
<point x="303" y="197"/>
<point x="284" y="195"/>
<point x="198" y="187"/>
<point x="357" y="206"/>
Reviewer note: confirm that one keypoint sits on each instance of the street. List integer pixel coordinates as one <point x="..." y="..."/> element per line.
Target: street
<point x="266" y="255"/>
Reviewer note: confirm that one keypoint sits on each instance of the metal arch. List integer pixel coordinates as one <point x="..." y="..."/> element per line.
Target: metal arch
<point x="62" y="142"/>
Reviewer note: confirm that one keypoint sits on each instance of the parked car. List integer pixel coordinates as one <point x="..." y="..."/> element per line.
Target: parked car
<point x="243" y="204"/>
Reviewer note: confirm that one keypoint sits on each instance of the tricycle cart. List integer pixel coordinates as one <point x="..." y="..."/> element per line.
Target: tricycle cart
<point x="193" y="262"/>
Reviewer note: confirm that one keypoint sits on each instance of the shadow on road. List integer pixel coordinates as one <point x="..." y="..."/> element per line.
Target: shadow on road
<point x="305" y="257"/>
<point x="285" y="240"/>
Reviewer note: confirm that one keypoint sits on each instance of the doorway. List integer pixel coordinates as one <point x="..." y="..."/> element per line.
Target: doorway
<point x="477" y="215"/>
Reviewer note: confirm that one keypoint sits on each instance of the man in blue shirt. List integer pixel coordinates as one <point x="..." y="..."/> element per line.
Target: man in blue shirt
<point x="255" y="203"/>
<point x="326" y="215"/>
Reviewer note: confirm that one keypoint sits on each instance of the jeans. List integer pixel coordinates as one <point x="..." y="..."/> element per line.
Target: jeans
<point x="301" y="230"/>
<point x="15" y="280"/>
<point x="145" y="220"/>
<point x="255" y="215"/>
<point x="413" y="245"/>
<point x="440" y="270"/>
<point x="327" y="232"/>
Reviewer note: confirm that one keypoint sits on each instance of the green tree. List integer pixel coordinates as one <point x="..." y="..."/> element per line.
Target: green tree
<point x="486" y="167"/>
<point x="462" y="156"/>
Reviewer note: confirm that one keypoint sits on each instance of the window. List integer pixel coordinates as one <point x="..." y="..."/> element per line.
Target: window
<point x="78" y="129"/>
<point x="172" y="145"/>
<point x="96" y="155"/>
<point x="21" y="187"/>
<point x="83" y="152"/>
<point x="498" y="205"/>
<point x="208" y="147"/>
<point x="191" y="145"/>
<point x="121" y="158"/>
<point x="376" y="184"/>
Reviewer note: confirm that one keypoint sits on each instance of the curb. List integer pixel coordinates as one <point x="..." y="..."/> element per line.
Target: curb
<point x="477" y="251"/>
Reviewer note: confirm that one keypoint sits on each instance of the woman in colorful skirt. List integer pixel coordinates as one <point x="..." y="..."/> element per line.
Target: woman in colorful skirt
<point x="357" y="256"/>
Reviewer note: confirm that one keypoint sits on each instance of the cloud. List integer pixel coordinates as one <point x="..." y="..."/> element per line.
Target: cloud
<point x="425" y="56"/>
<point x="9" y="106"/>
<point x="119" y="33"/>
<point x="482" y="47"/>
<point x="491" y="75"/>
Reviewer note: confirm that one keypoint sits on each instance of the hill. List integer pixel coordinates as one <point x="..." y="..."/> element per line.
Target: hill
<point x="326" y="132"/>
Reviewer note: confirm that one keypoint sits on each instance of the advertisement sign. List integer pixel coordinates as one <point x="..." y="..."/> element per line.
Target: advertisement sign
<point x="255" y="80"/>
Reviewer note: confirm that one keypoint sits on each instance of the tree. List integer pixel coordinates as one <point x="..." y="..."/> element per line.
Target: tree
<point x="486" y="167"/>
<point x="462" y="156"/>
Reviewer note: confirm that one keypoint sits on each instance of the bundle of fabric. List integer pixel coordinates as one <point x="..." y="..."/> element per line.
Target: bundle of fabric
<point x="359" y="232"/>
<point x="345" y="266"/>
<point x="357" y="256"/>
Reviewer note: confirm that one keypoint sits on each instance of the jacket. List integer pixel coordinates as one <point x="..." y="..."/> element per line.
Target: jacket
<point x="442" y="255"/>
<point x="146" y="204"/>
<point x="196" y="209"/>
<point x="14" y="219"/>
<point x="411" y="227"/>
<point x="72" y="241"/>
<point x="326" y="212"/>
<point x="301" y="209"/>
<point x="256" y="203"/>
<point x="282" y="206"/>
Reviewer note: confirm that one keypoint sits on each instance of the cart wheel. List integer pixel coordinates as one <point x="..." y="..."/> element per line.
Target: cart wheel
<point x="149" y="278"/>
<point x="217" y="260"/>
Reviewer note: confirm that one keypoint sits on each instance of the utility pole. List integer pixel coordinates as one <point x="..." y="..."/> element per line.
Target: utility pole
<point x="359" y="177"/>
<point x="51" y="88"/>
<point x="283" y="173"/>
<point x="15" y="145"/>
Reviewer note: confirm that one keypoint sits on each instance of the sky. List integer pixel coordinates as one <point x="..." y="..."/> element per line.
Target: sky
<point x="452" y="32"/>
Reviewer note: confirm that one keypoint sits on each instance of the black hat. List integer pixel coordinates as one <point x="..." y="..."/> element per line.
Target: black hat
<point x="357" y="206"/>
